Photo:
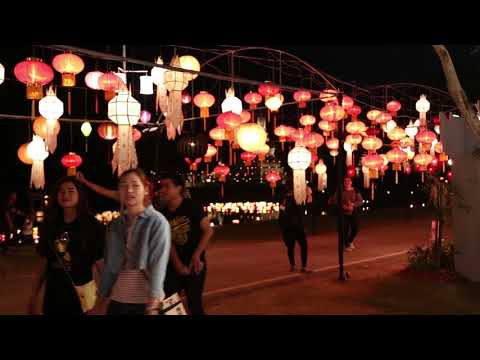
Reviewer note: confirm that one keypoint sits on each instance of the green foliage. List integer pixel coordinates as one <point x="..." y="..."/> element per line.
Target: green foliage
<point x="423" y="258"/>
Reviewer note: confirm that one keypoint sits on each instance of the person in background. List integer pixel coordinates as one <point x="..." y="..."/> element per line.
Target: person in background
<point x="136" y="253"/>
<point x="191" y="233"/>
<point x="291" y="222"/>
<point x="351" y="201"/>
<point x="71" y="245"/>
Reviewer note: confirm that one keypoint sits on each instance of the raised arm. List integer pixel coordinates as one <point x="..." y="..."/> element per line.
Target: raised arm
<point x="112" y="194"/>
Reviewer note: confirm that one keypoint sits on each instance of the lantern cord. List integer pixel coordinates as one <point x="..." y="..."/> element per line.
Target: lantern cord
<point x="71" y="136"/>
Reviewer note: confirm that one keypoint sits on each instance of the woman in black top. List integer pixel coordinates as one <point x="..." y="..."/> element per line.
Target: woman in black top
<point x="71" y="243"/>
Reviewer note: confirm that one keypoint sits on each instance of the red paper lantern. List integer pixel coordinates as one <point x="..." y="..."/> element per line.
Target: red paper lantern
<point x="450" y="176"/>
<point x="372" y="131"/>
<point x="372" y="115"/>
<point x="35" y="74"/>
<point x="229" y="120"/>
<point x="253" y="99"/>
<point x="268" y="89"/>
<point x="393" y="107"/>
<point x="68" y="65"/>
<point x="347" y="103"/>
<point x="110" y="83"/>
<point x="332" y="113"/>
<point x="283" y="132"/>
<point x="383" y="118"/>
<point x="245" y="116"/>
<point x="372" y="161"/>
<point x="329" y="96"/>
<point x="219" y="135"/>
<point x="204" y="101"/>
<point x="136" y="134"/>
<point x="248" y="157"/>
<point x="186" y="98"/>
<point x="108" y="131"/>
<point x="351" y="172"/>
<point x="426" y="137"/>
<point x="301" y="97"/>
<point x="354" y="111"/>
<point x="436" y="120"/>
<point x="71" y="161"/>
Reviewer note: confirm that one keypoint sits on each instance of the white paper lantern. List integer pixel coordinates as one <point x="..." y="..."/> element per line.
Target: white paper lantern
<point x="411" y="130"/>
<point x="321" y="170"/>
<point x="2" y="74"/>
<point x="146" y="85"/>
<point x="37" y="152"/>
<point x="231" y="102"/>
<point x="91" y="79"/>
<point x="299" y="159"/>
<point x="51" y="108"/>
<point x="273" y="103"/>
<point x="123" y="109"/>
<point x="250" y="137"/>
<point x="422" y="105"/>
<point x="122" y="76"/>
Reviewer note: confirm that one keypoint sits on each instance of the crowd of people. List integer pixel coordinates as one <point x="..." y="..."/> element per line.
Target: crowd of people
<point x="154" y="251"/>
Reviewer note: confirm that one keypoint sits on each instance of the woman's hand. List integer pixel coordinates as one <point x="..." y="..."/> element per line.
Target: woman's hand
<point x="196" y="264"/>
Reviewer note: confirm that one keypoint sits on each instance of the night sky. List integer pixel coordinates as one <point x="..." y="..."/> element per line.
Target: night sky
<point x="365" y="65"/>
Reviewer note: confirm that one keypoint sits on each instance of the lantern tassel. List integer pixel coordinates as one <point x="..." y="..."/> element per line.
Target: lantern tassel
<point x="396" y="177"/>
<point x="125" y="155"/>
<point x="299" y="187"/>
<point x="37" y="178"/>
<point x="96" y="102"/>
<point x="349" y="157"/>
<point x="69" y="102"/>
<point x="373" y="191"/>
<point x="86" y="145"/>
<point x="221" y="190"/>
<point x="51" y="140"/>
<point x="423" y="177"/>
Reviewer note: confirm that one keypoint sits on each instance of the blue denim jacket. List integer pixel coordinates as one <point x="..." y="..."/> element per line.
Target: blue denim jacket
<point x="152" y="239"/>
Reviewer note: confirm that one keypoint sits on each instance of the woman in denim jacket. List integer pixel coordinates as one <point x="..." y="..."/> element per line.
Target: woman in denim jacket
<point x="136" y="252"/>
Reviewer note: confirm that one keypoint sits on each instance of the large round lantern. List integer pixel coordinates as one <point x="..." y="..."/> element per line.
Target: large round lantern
<point x="283" y="132"/>
<point x="426" y="137"/>
<point x="299" y="159"/>
<point x="68" y="65"/>
<point x="219" y="135"/>
<point x="301" y="97"/>
<point x="389" y="126"/>
<point x="35" y="74"/>
<point x="383" y="118"/>
<point x="268" y="89"/>
<point x="307" y="121"/>
<point x="124" y="111"/>
<point x="23" y="155"/>
<point x="273" y="103"/>
<point x="327" y="127"/>
<point x="372" y="143"/>
<point x="396" y="134"/>
<point x="110" y="83"/>
<point x="51" y="108"/>
<point x="393" y="107"/>
<point x="108" y="131"/>
<point x="253" y="99"/>
<point x="354" y="140"/>
<point x="40" y="127"/>
<point x="229" y="120"/>
<point x="251" y="137"/>
<point x="204" y="101"/>
<point x="396" y="156"/>
<point x="313" y="140"/>
<point x="221" y="171"/>
<point x="231" y="102"/>
<point x="71" y="161"/>
<point x="321" y="171"/>
<point x="354" y="111"/>
<point x="329" y="96"/>
<point x="347" y="103"/>
<point x="272" y="176"/>
<point x="36" y="151"/>
<point x="373" y="115"/>
<point x="333" y="143"/>
<point x="189" y="62"/>
<point x="422" y="161"/>
<point x="355" y="127"/>
<point x="332" y="113"/>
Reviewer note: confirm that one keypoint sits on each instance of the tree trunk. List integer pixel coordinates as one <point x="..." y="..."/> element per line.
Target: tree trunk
<point x="456" y="91"/>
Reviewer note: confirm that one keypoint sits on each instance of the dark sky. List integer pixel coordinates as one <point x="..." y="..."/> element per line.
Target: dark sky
<point x="367" y="64"/>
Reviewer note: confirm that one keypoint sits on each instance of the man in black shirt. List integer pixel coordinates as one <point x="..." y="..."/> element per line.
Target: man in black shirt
<point x="191" y="233"/>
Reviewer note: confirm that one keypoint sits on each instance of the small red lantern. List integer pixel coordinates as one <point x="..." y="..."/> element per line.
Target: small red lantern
<point x="272" y="176"/>
<point x="307" y="121"/>
<point x="436" y="120"/>
<point x="229" y="120"/>
<point x="351" y="172"/>
<point x="110" y="83"/>
<point x="332" y="113"/>
<point x="383" y="118"/>
<point x="35" y="74"/>
<point x="393" y="107"/>
<point x="301" y="97"/>
<point x="450" y="176"/>
<point x="193" y="165"/>
<point x="71" y="161"/>
<point x="267" y="89"/>
<point x="354" y="111"/>
<point x="221" y="171"/>
<point x="426" y="137"/>
<point x="372" y="131"/>
<point x="108" y="131"/>
<point x="283" y="132"/>
<point x="137" y="134"/>
<point x="347" y="103"/>
<point x="248" y="157"/>
<point x="372" y="115"/>
<point x="407" y="169"/>
<point x="186" y="98"/>
<point x="253" y="99"/>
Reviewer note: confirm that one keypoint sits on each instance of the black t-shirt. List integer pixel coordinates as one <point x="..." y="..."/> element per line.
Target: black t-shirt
<point x="291" y="214"/>
<point x="185" y="227"/>
<point x="86" y="240"/>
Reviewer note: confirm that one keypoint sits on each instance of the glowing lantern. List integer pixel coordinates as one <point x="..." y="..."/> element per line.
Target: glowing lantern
<point x="218" y="134"/>
<point x="356" y="127"/>
<point x="354" y="140"/>
<point x="263" y="151"/>
<point x="158" y="78"/>
<point x="186" y="98"/>
<point x="313" y="140"/>
<point x="329" y="96"/>
<point x="283" y="132"/>
<point x="273" y="103"/>
<point x="68" y="65"/>
<point x="422" y="161"/>
<point x="321" y="171"/>
<point x="426" y="137"/>
<point x="307" y="121"/>
<point x="411" y="130"/>
<point x="423" y="106"/>
<point x="354" y="111"/>
<point x="332" y="113"/>
<point x="248" y="157"/>
<point x="204" y="101"/>
<point x="36" y="151"/>
<point x="2" y="74"/>
<point x="389" y="126"/>
<point x="86" y="130"/>
<point x="136" y="134"/>
<point x="51" y="108"/>
<point x="245" y="116"/>
<point x="253" y="99"/>
<point x="71" y="161"/>
<point x="193" y="165"/>
<point x="347" y="103"/>
<point x="372" y="162"/>
<point x="272" y="176"/>
<point x="107" y="131"/>
<point x="438" y="148"/>
<point x="396" y="156"/>
<point x="229" y="120"/>
<point x="268" y="89"/>
<point x="396" y="134"/>
<point x="189" y="62"/>
<point x="327" y="127"/>
<point x="211" y="152"/>
<point x="193" y="148"/>
<point x="372" y="143"/>
<point x="124" y="111"/>
<point x="299" y="159"/>
<point x="333" y="143"/>
<point x="373" y="115"/>
<point x="298" y="136"/>
<point x="146" y="85"/>
<point x="231" y="102"/>
<point x="40" y="127"/>
<point x="251" y="137"/>
<point x="301" y="97"/>
<point x="145" y="116"/>
<point x="23" y="154"/>
<point x="351" y="172"/>
<point x="175" y="82"/>
<point x="393" y="107"/>
<point x="221" y="171"/>
<point x="110" y="83"/>
<point x="35" y="74"/>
